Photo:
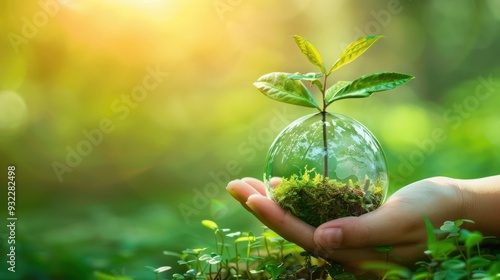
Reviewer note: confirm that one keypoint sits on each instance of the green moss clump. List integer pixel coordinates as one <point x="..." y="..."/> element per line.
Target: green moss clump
<point x="318" y="200"/>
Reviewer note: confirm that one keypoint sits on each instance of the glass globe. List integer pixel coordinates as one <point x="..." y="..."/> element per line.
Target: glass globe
<point x="325" y="166"/>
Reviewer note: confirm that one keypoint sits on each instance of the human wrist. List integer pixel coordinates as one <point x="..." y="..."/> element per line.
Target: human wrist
<point x="480" y="203"/>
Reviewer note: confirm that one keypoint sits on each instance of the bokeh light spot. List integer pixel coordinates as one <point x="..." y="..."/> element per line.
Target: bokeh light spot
<point x="13" y="113"/>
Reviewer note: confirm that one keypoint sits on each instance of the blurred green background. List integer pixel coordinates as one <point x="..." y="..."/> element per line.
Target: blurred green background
<point x="125" y="119"/>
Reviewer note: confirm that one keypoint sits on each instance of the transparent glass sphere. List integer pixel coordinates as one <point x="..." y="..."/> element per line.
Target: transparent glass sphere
<point x="326" y="166"/>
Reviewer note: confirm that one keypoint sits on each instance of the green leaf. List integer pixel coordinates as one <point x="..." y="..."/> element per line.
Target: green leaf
<point x="194" y="252"/>
<point x="162" y="269"/>
<point x="279" y="87"/>
<point x="431" y="238"/>
<point x="452" y="264"/>
<point x="245" y="238"/>
<point x="210" y="224"/>
<point x="205" y="257"/>
<point x="234" y="234"/>
<point x="478" y="262"/>
<point x="332" y="91"/>
<point x="307" y="77"/>
<point x="178" y="276"/>
<point x="310" y="51"/>
<point x="171" y="253"/>
<point x="354" y="50"/>
<point x="449" y="226"/>
<point x="494" y="270"/>
<point x="274" y="270"/>
<point x="461" y="221"/>
<point x="366" y="85"/>
<point x="473" y="239"/>
<point x="215" y="260"/>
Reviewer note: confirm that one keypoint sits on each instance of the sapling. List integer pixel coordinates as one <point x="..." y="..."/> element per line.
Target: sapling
<point x="325" y="166"/>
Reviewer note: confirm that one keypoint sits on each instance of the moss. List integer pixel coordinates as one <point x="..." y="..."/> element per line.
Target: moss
<point x="318" y="200"/>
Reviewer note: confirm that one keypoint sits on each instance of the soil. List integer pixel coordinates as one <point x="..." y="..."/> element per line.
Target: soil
<point x="318" y="200"/>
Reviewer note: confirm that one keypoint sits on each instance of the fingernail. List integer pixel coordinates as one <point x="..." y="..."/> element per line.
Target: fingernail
<point x="234" y="193"/>
<point x="250" y="205"/>
<point x="332" y="237"/>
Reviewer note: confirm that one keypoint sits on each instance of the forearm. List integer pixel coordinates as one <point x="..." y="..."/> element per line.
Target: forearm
<point x="481" y="203"/>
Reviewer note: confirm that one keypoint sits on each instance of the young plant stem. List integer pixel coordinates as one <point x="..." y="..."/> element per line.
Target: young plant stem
<point x="325" y="140"/>
<point x="267" y="246"/>
<point x="249" y="247"/>
<point x="237" y="259"/>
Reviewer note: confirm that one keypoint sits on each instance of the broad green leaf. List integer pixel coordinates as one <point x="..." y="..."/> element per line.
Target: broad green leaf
<point x="171" y="253"/>
<point x="215" y="260"/>
<point x="310" y="51"/>
<point x="193" y="251"/>
<point x="245" y="238"/>
<point x="453" y="264"/>
<point x="162" y="269"/>
<point x="279" y="87"/>
<point x="366" y="85"/>
<point x="477" y="262"/>
<point x="178" y="276"/>
<point x="274" y="270"/>
<point x="308" y="77"/>
<point x="473" y="239"/>
<point x="210" y="224"/>
<point x="354" y="50"/>
<point x="191" y="273"/>
<point x="334" y="90"/>
<point x="234" y="234"/>
<point x="204" y="257"/>
<point x="318" y="84"/>
<point x="461" y="221"/>
<point x="449" y="226"/>
<point x="494" y="269"/>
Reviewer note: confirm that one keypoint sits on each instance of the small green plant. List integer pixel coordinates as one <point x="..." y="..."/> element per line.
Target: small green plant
<point x="244" y="255"/>
<point x="345" y="154"/>
<point x="288" y="88"/>
<point x="158" y="270"/>
<point x="454" y="257"/>
<point x="453" y="253"/>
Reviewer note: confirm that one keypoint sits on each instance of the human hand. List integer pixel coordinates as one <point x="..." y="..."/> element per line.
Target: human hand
<point x="398" y="222"/>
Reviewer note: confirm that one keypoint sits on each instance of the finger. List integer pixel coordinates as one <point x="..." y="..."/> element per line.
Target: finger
<point x="275" y="181"/>
<point x="282" y="222"/>
<point x="241" y="190"/>
<point x="388" y="225"/>
<point x="256" y="184"/>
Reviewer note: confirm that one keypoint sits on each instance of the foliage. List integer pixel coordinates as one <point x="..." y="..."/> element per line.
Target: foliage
<point x="339" y="199"/>
<point x="458" y="255"/>
<point x="288" y="88"/>
<point x="244" y="255"/>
